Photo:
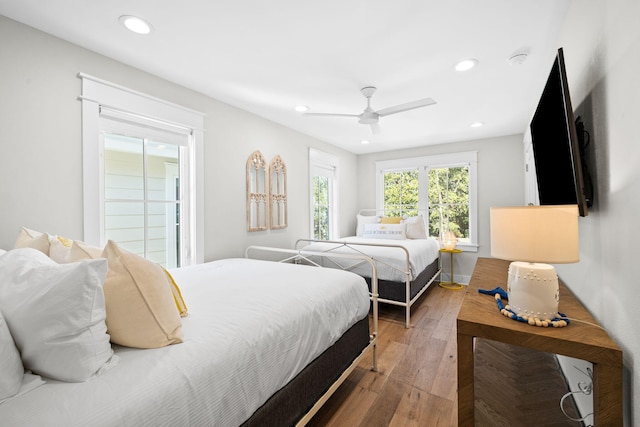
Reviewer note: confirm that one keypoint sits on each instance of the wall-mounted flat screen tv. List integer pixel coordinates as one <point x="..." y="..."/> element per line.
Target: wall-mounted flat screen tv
<point x="556" y="146"/>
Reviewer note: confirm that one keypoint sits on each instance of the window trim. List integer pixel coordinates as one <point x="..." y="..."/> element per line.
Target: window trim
<point x="142" y="109"/>
<point x="466" y="158"/>
<point x="326" y="162"/>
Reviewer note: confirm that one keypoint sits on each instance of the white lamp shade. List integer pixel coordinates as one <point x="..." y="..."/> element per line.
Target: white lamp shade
<point x="543" y="234"/>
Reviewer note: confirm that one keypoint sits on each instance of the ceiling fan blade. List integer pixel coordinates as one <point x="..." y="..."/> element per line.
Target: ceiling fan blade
<point x="375" y="128"/>
<point x="405" y="107"/>
<point x="331" y="114"/>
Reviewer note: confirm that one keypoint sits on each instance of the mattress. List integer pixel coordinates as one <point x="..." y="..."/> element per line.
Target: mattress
<point x="390" y="260"/>
<point x="252" y="327"/>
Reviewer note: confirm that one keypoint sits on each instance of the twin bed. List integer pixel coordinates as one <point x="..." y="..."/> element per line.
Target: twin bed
<point x="407" y="260"/>
<point x="265" y="343"/>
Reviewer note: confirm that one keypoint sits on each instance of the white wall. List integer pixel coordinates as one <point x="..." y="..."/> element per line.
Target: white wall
<point x="500" y="183"/>
<point x="601" y="42"/>
<point x="41" y="150"/>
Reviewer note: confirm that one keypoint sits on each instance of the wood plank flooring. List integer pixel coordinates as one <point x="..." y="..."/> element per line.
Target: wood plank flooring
<point x="416" y="380"/>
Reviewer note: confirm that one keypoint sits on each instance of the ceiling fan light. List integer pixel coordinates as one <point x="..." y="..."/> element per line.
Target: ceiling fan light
<point x="302" y="108"/>
<point x="477" y="124"/>
<point x="466" y="64"/>
<point x="368" y="120"/>
<point x="135" y="24"/>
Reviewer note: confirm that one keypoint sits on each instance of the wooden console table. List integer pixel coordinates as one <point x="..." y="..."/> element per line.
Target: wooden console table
<point x="479" y="317"/>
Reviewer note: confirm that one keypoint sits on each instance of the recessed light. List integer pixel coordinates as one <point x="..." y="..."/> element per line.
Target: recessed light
<point x="135" y="24"/>
<point x="302" y="108"/>
<point x="364" y="141"/>
<point x="466" y="64"/>
<point x="477" y="124"/>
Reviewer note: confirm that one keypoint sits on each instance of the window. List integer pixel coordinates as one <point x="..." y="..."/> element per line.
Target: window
<point x="141" y="174"/>
<point x="323" y="179"/>
<point x="443" y="187"/>
<point x="401" y="193"/>
<point x="449" y="201"/>
<point x="142" y="196"/>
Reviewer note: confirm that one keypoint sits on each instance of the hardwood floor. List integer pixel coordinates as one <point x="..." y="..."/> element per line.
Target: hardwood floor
<point x="416" y="380"/>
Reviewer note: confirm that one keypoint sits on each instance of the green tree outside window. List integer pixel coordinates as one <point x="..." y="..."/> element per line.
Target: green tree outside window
<point x="321" y="207"/>
<point x="448" y="198"/>
<point x="449" y="201"/>
<point x="401" y="193"/>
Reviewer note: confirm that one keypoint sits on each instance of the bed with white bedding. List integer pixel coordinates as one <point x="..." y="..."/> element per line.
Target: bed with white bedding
<point x="407" y="260"/>
<point x="253" y="330"/>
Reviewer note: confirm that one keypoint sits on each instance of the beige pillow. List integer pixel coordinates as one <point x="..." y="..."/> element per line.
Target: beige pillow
<point x="416" y="228"/>
<point x="32" y="239"/>
<point x="64" y="250"/>
<point x="141" y="310"/>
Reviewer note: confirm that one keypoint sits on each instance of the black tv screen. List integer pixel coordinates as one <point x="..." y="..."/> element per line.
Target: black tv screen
<point x="556" y="147"/>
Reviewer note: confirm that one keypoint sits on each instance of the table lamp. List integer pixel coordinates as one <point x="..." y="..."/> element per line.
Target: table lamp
<point x="533" y="236"/>
<point x="449" y="240"/>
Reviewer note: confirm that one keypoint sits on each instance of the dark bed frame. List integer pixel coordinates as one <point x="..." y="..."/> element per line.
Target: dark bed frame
<point x="404" y="294"/>
<point x="391" y="291"/>
<point x="297" y="402"/>
<point x="291" y="403"/>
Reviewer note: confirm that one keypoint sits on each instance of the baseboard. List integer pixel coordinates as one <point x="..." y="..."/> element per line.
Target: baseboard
<point x="458" y="278"/>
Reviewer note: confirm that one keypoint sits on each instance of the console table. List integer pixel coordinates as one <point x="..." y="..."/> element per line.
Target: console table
<point x="479" y="317"/>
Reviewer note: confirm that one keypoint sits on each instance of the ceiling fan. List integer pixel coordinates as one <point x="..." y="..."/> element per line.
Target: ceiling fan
<point x="371" y="117"/>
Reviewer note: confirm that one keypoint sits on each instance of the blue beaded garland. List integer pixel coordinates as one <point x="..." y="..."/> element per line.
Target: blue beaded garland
<point x="499" y="293"/>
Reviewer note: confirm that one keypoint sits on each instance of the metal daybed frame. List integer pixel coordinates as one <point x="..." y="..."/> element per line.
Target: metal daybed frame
<point x="300" y="256"/>
<point x="404" y="269"/>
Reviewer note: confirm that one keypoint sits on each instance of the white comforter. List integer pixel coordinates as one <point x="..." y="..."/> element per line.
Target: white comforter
<point x="252" y="326"/>
<point x="391" y="262"/>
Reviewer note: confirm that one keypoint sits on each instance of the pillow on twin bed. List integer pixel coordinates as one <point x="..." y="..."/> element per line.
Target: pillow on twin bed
<point x="390" y="220"/>
<point x="385" y="231"/>
<point x="416" y="228"/>
<point x="141" y="310"/>
<point x="11" y="369"/>
<point x="365" y="219"/>
<point x="56" y="314"/>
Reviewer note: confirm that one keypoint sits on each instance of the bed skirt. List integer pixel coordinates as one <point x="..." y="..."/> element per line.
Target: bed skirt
<point x="292" y="402"/>
<point x="396" y="291"/>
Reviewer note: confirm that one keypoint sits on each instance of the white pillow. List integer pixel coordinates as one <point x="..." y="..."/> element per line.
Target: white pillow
<point x="56" y="314"/>
<point x="416" y="228"/>
<point x="385" y="231"/>
<point x="11" y="369"/>
<point x="361" y="220"/>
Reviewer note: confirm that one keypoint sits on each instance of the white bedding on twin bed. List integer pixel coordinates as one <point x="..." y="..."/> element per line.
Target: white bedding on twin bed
<point x="422" y="252"/>
<point x="252" y="326"/>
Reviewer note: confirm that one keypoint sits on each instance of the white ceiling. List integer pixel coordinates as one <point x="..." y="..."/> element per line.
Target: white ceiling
<point x="269" y="56"/>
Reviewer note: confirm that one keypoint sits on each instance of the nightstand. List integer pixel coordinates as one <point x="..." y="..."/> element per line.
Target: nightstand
<point x="451" y="284"/>
<point x="479" y="318"/>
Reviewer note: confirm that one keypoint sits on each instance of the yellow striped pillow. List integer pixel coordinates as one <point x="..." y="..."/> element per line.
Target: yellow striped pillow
<point x="390" y="220"/>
